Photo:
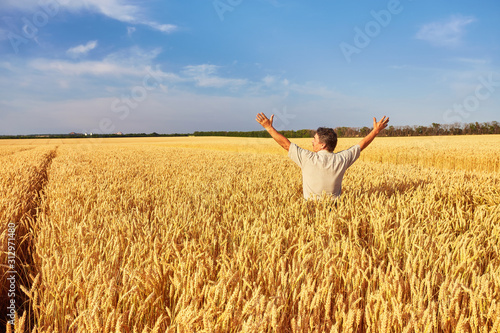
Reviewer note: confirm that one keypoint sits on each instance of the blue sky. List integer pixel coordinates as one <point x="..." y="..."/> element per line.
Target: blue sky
<point x="105" y="66"/>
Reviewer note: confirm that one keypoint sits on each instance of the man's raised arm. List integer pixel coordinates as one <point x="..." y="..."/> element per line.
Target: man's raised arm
<point x="268" y="125"/>
<point x="377" y="128"/>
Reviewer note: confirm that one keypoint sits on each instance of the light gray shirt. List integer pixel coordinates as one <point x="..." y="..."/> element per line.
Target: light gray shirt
<point x="323" y="171"/>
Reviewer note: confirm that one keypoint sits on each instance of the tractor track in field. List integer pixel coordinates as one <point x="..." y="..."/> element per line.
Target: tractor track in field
<point x="36" y="188"/>
<point x="26" y="221"/>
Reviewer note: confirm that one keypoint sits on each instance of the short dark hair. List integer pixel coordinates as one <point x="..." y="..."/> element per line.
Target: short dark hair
<point x="328" y="137"/>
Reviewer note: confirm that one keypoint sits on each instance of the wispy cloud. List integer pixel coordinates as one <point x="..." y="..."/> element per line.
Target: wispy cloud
<point x="82" y="49"/>
<point x="200" y="70"/>
<point x="131" y="61"/>
<point x="269" y="80"/>
<point x="122" y="10"/>
<point x="205" y="76"/>
<point x="134" y="56"/>
<point x="96" y="68"/>
<point x="472" y="61"/>
<point x="135" y="63"/>
<point x="166" y="28"/>
<point x="448" y="33"/>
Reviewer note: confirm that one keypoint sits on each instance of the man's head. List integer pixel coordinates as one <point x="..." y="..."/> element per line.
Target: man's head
<point x="325" y="138"/>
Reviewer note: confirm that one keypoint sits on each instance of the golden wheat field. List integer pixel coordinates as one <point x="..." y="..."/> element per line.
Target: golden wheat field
<point x="212" y="235"/>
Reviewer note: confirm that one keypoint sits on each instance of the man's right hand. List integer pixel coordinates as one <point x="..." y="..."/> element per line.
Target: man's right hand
<point x="264" y="121"/>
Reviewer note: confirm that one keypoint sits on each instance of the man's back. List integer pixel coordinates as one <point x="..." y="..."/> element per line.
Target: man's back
<point x="323" y="171"/>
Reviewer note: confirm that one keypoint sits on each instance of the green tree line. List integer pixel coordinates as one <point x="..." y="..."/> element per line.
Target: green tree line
<point x="492" y="127"/>
<point x="345" y="132"/>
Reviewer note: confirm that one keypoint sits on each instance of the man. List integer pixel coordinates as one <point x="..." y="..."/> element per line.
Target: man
<point x="322" y="170"/>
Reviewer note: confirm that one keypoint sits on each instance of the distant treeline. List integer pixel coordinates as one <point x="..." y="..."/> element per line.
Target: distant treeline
<point x="344" y="132"/>
<point x="435" y="129"/>
<point x="88" y="136"/>
<point x="304" y="133"/>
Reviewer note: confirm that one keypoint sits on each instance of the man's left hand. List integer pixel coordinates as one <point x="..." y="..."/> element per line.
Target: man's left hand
<point x="380" y="125"/>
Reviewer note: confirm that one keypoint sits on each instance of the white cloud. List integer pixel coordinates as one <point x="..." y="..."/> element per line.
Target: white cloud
<point x="166" y="28"/>
<point x="136" y="64"/>
<point x="448" y="33"/>
<point x="82" y="49"/>
<point x="122" y="10"/>
<point x="472" y="61"/>
<point x="200" y="70"/>
<point x="316" y="89"/>
<point x="131" y="62"/>
<point x="269" y="80"/>
<point x="204" y="76"/>
<point x="97" y="68"/>
<point x="397" y="67"/>
<point x="134" y="56"/>
<point x="66" y="71"/>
